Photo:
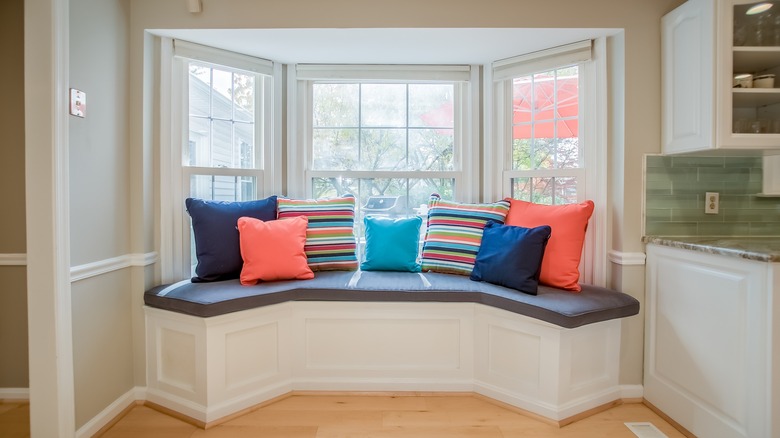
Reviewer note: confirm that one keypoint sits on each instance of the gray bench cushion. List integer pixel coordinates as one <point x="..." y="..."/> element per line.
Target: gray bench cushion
<point x="556" y="306"/>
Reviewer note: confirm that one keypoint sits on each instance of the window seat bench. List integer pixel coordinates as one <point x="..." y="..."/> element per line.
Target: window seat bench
<point x="214" y="349"/>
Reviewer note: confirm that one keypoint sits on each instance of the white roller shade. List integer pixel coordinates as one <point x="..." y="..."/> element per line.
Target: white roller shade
<point x="444" y="73"/>
<point x="542" y="60"/>
<point x="221" y="57"/>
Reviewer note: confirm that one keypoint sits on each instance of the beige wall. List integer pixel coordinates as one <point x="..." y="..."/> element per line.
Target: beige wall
<point x="13" y="281"/>
<point x="100" y="204"/>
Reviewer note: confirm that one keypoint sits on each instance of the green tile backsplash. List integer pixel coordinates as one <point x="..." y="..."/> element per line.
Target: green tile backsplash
<point x="674" y="197"/>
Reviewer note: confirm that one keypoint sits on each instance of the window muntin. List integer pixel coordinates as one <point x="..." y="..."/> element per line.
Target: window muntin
<point x="221" y="123"/>
<point x="391" y="144"/>
<point x="383" y="127"/>
<point x="546" y="152"/>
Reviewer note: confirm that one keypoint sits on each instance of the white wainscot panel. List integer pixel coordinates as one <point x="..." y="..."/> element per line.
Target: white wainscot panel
<point x="370" y="346"/>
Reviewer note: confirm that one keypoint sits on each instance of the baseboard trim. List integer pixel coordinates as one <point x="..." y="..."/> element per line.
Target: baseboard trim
<point x="140" y="396"/>
<point x="112" y="413"/>
<point x="632" y="393"/>
<point x="668" y="419"/>
<point x="14" y="394"/>
<point x="100" y="267"/>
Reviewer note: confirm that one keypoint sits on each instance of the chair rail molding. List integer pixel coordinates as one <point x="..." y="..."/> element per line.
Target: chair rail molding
<point x="100" y="267"/>
<point x="13" y="259"/>
<point x="627" y="258"/>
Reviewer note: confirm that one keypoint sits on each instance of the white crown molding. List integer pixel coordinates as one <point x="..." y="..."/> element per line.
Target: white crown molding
<point x="15" y="394"/>
<point x="100" y="267"/>
<point x="627" y="258"/>
<point x="19" y="259"/>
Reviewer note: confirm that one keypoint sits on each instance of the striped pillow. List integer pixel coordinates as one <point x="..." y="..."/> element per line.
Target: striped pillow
<point x="330" y="241"/>
<point x="455" y="234"/>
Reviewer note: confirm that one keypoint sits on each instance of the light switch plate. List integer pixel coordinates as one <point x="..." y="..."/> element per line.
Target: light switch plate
<point x="78" y="103"/>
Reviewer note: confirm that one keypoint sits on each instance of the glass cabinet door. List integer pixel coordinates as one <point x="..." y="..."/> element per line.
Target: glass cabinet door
<point x="755" y="69"/>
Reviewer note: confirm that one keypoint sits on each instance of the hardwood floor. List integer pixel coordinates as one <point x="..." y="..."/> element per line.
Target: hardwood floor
<point x="345" y="416"/>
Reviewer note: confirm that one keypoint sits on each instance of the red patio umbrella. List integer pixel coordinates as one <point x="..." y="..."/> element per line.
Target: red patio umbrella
<point x="536" y="101"/>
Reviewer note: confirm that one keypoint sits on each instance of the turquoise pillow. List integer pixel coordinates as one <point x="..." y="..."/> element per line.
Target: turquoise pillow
<point x="391" y="244"/>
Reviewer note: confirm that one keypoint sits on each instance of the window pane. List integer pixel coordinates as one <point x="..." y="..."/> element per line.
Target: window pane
<point x="382" y="149"/>
<point x="199" y="151"/>
<point x="431" y="149"/>
<point x="336" y="105"/>
<point x="335" y="149"/>
<point x="431" y="105"/>
<point x="555" y="190"/>
<point x="221" y="144"/>
<point x="243" y="139"/>
<point x="223" y="188"/>
<point x="199" y="94"/>
<point x="221" y="90"/>
<point x="244" y="97"/>
<point x="383" y="105"/>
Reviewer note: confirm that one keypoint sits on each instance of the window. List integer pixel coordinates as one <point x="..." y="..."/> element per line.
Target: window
<point x="546" y="164"/>
<point x="222" y="143"/>
<point x="547" y="144"/>
<point x="389" y="141"/>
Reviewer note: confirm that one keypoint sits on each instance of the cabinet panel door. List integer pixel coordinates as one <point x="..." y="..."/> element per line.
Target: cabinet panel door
<point x="688" y="78"/>
<point x="707" y="331"/>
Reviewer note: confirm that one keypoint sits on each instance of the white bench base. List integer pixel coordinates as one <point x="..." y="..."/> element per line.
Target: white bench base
<point x="209" y="368"/>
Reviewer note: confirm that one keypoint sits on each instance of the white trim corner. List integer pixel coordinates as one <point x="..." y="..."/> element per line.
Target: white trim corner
<point x="627" y="258"/>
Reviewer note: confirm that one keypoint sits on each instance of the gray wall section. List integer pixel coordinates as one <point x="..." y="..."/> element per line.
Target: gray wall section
<point x="13" y="279"/>
<point x="99" y="172"/>
<point x="100" y="204"/>
<point x="102" y="342"/>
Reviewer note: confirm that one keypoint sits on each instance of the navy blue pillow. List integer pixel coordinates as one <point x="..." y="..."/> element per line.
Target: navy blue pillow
<point x="511" y="256"/>
<point x="214" y="224"/>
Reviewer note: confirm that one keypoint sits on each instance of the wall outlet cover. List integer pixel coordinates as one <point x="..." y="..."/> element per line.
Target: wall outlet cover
<point x="78" y="103"/>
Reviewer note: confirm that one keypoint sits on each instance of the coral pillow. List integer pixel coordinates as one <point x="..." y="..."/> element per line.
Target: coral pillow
<point x="560" y="266"/>
<point x="273" y="250"/>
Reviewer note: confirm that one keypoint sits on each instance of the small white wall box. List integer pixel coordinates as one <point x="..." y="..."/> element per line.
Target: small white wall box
<point x="78" y="103"/>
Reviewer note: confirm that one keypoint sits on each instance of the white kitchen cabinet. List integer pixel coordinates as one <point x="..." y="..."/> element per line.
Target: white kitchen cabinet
<point x="705" y="44"/>
<point x="712" y="342"/>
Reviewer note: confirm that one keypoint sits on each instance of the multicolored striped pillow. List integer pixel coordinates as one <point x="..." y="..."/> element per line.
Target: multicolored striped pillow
<point x="330" y="240"/>
<point x="455" y="234"/>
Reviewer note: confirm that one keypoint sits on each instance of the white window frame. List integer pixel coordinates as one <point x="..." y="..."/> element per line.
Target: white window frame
<point x="590" y="55"/>
<point x="174" y="111"/>
<point x="300" y="80"/>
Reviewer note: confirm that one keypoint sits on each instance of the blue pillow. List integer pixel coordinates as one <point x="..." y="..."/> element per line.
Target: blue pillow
<point x="511" y="256"/>
<point x="217" y="244"/>
<point x="392" y="244"/>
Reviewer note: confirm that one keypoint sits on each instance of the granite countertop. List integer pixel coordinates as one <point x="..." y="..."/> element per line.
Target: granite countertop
<point x="763" y="249"/>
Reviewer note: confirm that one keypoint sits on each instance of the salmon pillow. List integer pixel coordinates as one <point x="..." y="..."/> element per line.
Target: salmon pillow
<point x="273" y="250"/>
<point x="560" y="266"/>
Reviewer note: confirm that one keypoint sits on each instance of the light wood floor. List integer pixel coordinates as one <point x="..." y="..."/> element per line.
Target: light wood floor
<point x="314" y="416"/>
